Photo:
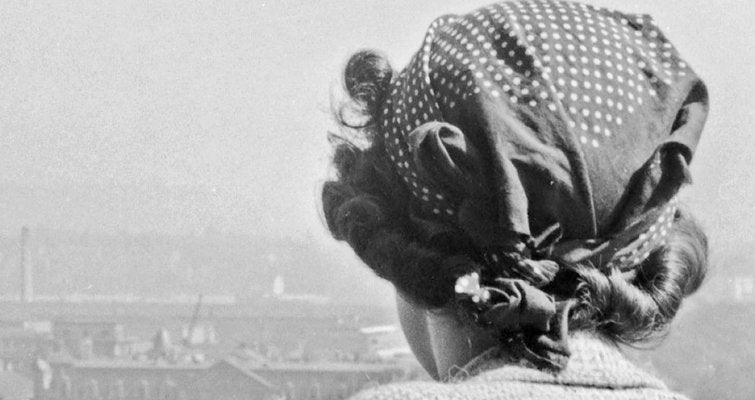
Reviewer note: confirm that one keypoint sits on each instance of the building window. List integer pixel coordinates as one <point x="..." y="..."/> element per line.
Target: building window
<point x="93" y="390"/>
<point x="343" y="391"/>
<point x="143" y="390"/>
<point x="168" y="390"/>
<point x="117" y="390"/>
<point x="65" y="388"/>
<point x="290" y="391"/>
<point x="315" y="392"/>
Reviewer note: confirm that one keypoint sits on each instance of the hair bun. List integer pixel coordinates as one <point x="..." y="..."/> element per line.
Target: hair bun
<point x="367" y="77"/>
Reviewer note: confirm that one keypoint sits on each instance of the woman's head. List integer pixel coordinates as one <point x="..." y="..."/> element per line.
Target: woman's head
<point x="519" y="175"/>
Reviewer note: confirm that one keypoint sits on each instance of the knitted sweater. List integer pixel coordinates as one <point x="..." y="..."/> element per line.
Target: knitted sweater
<point x="596" y="370"/>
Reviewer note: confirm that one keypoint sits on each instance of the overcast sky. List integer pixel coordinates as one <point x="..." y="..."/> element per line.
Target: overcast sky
<point x="228" y="102"/>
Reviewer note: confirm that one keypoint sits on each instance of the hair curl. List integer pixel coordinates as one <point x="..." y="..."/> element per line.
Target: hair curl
<point x="365" y="205"/>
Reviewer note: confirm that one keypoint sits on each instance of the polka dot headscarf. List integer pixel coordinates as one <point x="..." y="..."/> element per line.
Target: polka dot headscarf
<point x="526" y="114"/>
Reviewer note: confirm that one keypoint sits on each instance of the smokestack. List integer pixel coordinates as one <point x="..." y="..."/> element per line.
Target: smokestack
<point x="27" y="289"/>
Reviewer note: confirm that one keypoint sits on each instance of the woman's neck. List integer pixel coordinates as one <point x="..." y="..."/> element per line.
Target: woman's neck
<point x="455" y="343"/>
<point x="441" y="341"/>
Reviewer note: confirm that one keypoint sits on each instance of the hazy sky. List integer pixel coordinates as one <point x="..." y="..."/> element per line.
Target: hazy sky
<point x="228" y="102"/>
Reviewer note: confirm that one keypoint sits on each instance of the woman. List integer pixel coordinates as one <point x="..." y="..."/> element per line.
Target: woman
<point x="516" y="183"/>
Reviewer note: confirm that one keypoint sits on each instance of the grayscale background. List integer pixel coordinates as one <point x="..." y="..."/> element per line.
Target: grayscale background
<point x="159" y="226"/>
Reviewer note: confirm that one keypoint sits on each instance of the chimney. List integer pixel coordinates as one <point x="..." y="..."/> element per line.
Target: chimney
<point x="27" y="290"/>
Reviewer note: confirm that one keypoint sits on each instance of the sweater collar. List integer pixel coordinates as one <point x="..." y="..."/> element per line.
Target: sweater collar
<point x="594" y="363"/>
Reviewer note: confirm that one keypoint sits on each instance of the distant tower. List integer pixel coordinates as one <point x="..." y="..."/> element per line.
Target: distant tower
<point x="27" y="288"/>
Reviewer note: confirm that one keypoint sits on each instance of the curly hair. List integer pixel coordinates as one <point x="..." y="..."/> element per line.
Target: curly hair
<point x="366" y="206"/>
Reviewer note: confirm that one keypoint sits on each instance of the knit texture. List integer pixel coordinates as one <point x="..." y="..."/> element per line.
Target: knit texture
<point x="596" y="370"/>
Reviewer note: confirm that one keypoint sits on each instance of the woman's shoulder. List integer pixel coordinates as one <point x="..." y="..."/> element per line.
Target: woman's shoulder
<point x="597" y="370"/>
<point x="508" y="390"/>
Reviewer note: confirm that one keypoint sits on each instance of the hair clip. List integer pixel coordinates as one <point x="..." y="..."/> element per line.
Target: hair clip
<point x="469" y="285"/>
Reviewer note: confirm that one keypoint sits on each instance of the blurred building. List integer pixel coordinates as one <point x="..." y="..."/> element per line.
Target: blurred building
<point x="119" y="379"/>
<point x="294" y="381"/>
<point x="90" y="338"/>
<point x="19" y="347"/>
<point x="281" y="344"/>
<point x="230" y="378"/>
<point x="386" y="343"/>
